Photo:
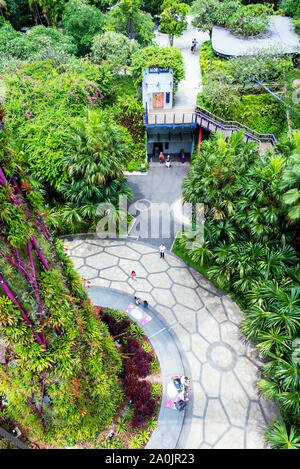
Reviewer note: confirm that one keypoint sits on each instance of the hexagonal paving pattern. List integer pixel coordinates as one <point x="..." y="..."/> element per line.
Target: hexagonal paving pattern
<point x="225" y="410"/>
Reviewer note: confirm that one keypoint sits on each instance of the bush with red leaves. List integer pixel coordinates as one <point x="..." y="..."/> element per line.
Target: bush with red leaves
<point x="139" y="366"/>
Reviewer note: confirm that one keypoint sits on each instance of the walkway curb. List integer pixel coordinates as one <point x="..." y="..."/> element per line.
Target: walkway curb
<point x="170" y="421"/>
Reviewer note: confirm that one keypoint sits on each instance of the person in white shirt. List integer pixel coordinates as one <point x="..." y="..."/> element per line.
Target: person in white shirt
<point x="183" y="396"/>
<point x="185" y="382"/>
<point x="162" y="249"/>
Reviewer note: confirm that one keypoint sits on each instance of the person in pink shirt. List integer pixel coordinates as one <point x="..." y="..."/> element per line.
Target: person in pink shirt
<point x="133" y="275"/>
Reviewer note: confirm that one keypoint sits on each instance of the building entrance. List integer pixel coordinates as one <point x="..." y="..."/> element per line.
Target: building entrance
<point x="157" y="148"/>
<point x="158" y="100"/>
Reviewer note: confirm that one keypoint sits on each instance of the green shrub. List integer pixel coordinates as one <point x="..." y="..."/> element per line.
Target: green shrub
<point x="167" y="57"/>
<point x="41" y="103"/>
<point x="39" y="42"/>
<point x="136" y="165"/>
<point x="209" y="61"/>
<point x="261" y="113"/>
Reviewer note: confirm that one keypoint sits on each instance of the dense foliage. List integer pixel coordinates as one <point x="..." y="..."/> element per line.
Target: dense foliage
<point x="41" y="94"/>
<point x="82" y="21"/>
<point x="113" y="48"/>
<point x="251" y="249"/>
<point x="37" y="44"/>
<point x="230" y="92"/>
<point x="61" y="365"/>
<point x="128" y="18"/>
<point x="292" y="8"/>
<point x="167" y="57"/>
<point x="99" y="144"/>
<point x="173" y="18"/>
<point x="242" y="20"/>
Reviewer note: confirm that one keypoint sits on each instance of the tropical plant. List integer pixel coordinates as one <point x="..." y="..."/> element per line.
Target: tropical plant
<point x="279" y="437"/>
<point x="127" y="18"/>
<point x="290" y="184"/>
<point x="82" y="21"/>
<point x="121" y="425"/>
<point x="57" y="348"/>
<point x="96" y="153"/>
<point x="135" y="442"/>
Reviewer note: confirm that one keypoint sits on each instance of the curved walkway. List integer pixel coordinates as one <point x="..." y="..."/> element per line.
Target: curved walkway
<point x="168" y="430"/>
<point x="225" y="410"/>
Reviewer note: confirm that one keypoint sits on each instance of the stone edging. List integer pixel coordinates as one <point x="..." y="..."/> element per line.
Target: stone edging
<point x="170" y="421"/>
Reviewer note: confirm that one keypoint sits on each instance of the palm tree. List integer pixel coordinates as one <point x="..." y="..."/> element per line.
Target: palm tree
<point x="290" y="184"/>
<point x="97" y="153"/>
<point x="279" y="437"/>
<point x="283" y="385"/>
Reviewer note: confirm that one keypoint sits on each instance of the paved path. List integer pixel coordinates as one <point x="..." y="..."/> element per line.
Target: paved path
<point x="280" y="35"/>
<point x="188" y="89"/>
<point x="170" y="421"/>
<point x="156" y="223"/>
<point x="225" y="410"/>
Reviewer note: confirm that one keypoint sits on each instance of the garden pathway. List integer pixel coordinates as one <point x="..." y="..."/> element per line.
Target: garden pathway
<point x="188" y="89"/>
<point x="225" y="410"/>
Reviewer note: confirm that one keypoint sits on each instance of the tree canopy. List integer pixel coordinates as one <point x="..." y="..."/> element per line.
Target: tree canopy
<point x="167" y="57"/>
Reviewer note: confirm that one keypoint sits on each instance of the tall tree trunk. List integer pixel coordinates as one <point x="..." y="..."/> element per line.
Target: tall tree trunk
<point x="131" y="28"/>
<point x="2" y="15"/>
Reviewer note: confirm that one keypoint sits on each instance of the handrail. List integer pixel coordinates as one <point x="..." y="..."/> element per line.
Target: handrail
<point x="210" y="118"/>
<point x="234" y="125"/>
<point x="8" y="436"/>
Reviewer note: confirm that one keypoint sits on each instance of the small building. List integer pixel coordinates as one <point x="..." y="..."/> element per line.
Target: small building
<point x="169" y="129"/>
<point x="158" y="88"/>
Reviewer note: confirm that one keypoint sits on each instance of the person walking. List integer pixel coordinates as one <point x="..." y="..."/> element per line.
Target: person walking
<point x="161" y="157"/>
<point x="168" y="161"/>
<point x="162" y="249"/>
<point x="194" y="44"/>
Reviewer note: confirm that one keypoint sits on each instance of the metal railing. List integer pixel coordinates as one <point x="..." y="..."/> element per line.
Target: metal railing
<point x="170" y="117"/>
<point x="205" y="119"/>
<point x="231" y="126"/>
<point x="8" y="436"/>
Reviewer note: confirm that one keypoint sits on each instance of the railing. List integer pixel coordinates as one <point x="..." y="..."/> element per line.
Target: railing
<point x="203" y="118"/>
<point x="8" y="436"/>
<point x="171" y="117"/>
<point x="232" y="126"/>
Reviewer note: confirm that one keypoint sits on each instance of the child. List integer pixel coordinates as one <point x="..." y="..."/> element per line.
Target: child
<point x="137" y="300"/>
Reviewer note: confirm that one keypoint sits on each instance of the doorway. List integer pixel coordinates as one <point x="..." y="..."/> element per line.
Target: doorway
<point x="157" y="148"/>
<point x="158" y="100"/>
